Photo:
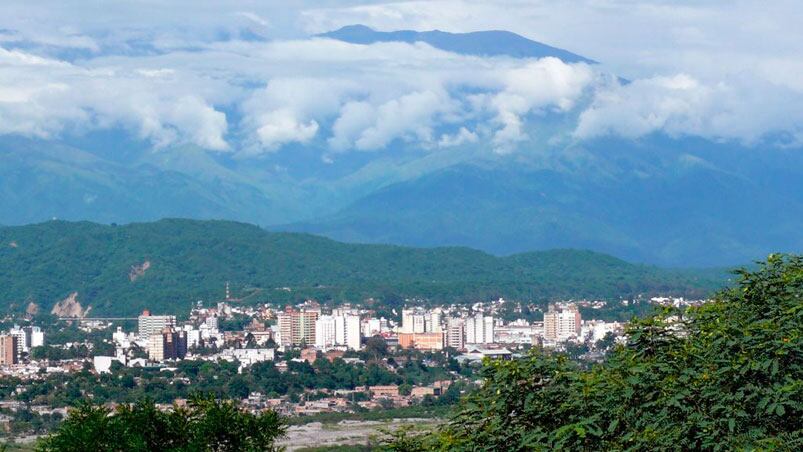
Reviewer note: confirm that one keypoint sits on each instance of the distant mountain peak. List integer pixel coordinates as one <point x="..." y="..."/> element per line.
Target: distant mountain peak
<point x="479" y="43"/>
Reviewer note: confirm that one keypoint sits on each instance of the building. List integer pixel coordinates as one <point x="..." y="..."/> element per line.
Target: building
<point x="8" y="350"/>
<point x="562" y="322"/>
<point x="148" y="324"/>
<point x="338" y="330"/>
<point x="169" y="344"/>
<point x="35" y="336"/>
<point x="297" y="327"/>
<point x="325" y="332"/>
<point x="353" y="334"/>
<point x="309" y="355"/>
<point x="475" y="354"/>
<point x="384" y="391"/>
<point x="432" y="322"/>
<point x="22" y="339"/>
<point x="414" y="320"/>
<point x="249" y="356"/>
<point x="479" y="329"/>
<point x="421" y="341"/>
<point x="456" y="334"/>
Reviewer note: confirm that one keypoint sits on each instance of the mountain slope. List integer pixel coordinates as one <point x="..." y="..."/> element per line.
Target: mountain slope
<point x="644" y="204"/>
<point x="480" y="43"/>
<point x="190" y="260"/>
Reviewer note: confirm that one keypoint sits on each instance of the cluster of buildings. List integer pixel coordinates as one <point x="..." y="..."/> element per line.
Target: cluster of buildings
<point x="17" y="341"/>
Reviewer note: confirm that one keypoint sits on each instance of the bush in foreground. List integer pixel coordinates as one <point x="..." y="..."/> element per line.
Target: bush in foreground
<point x="205" y="424"/>
<point x="727" y="375"/>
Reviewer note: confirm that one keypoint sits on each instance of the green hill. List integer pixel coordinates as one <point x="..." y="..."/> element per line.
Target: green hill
<point x="168" y="264"/>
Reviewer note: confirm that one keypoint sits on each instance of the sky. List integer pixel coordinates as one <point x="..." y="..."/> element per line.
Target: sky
<point x="249" y="78"/>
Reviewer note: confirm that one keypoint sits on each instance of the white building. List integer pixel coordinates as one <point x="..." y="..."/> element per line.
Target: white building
<point x="325" y="332"/>
<point x="149" y="325"/>
<point x="479" y="329"/>
<point x="22" y="339"/>
<point x="249" y="356"/>
<point x="353" y="336"/>
<point x="414" y="320"/>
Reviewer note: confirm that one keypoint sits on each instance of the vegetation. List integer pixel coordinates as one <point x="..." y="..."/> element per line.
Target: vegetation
<point x="191" y="260"/>
<point x="205" y="424"/>
<point x="725" y="376"/>
<point x="131" y="384"/>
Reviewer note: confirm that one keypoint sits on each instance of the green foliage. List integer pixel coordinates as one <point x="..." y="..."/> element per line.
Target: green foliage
<point x="206" y="424"/>
<point x="727" y="375"/>
<point x="192" y="260"/>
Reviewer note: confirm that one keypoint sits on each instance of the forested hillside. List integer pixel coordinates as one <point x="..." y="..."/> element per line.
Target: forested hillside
<point x="167" y="265"/>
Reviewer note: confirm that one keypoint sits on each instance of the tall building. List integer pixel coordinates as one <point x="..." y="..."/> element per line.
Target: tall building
<point x="8" y="350"/>
<point x="22" y="339"/>
<point x="479" y="329"/>
<point x="325" y="332"/>
<point x="414" y="320"/>
<point x="148" y="324"/>
<point x="169" y="344"/>
<point x="562" y="322"/>
<point x="353" y="336"/>
<point x="455" y="334"/>
<point x="297" y="327"/>
<point x="34" y="337"/>
<point x="434" y="324"/>
<point x="344" y="330"/>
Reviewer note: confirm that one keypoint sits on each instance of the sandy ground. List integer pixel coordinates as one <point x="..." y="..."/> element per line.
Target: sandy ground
<point x="316" y="434"/>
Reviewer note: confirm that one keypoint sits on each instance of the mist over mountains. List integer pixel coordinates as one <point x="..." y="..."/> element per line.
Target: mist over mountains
<point x="518" y="160"/>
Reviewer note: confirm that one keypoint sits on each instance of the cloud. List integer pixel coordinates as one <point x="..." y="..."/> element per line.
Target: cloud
<point x="741" y="108"/>
<point x="198" y="75"/>
<point x="44" y="97"/>
<point x="281" y="127"/>
<point x="461" y="137"/>
<point x="547" y="83"/>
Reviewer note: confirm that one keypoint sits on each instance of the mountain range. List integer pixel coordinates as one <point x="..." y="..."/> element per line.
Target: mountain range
<point x="663" y="200"/>
<point x="165" y="266"/>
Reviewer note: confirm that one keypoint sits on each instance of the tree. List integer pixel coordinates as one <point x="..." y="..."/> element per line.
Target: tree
<point x="726" y="375"/>
<point x="205" y="424"/>
<point x="376" y="347"/>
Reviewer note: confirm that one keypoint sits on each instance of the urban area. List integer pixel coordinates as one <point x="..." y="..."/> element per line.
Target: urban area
<point x="302" y="360"/>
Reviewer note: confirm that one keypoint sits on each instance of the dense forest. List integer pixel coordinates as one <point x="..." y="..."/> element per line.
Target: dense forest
<point x="167" y="265"/>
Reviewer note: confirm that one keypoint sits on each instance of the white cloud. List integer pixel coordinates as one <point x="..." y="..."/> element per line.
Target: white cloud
<point x="280" y="127"/>
<point x="461" y="137"/>
<point x="547" y="83"/>
<point x="743" y="109"/>
<point x="345" y="97"/>
<point x="70" y="98"/>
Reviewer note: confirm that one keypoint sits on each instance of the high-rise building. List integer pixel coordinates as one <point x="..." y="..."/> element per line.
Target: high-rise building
<point x="344" y="330"/>
<point x="22" y="339"/>
<point x="479" y="329"/>
<point x="34" y="337"/>
<point x="148" y="324"/>
<point x="8" y="350"/>
<point x="325" y="332"/>
<point x="455" y="334"/>
<point x="296" y="327"/>
<point x="353" y="336"/>
<point x="414" y="320"/>
<point x="562" y="322"/>
<point x="434" y="325"/>
<point x="169" y="344"/>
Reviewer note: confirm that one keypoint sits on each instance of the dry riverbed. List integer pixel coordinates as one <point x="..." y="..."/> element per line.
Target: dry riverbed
<point x="349" y="432"/>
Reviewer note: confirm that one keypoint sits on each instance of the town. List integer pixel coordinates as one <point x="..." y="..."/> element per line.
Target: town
<point x="423" y="356"/>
